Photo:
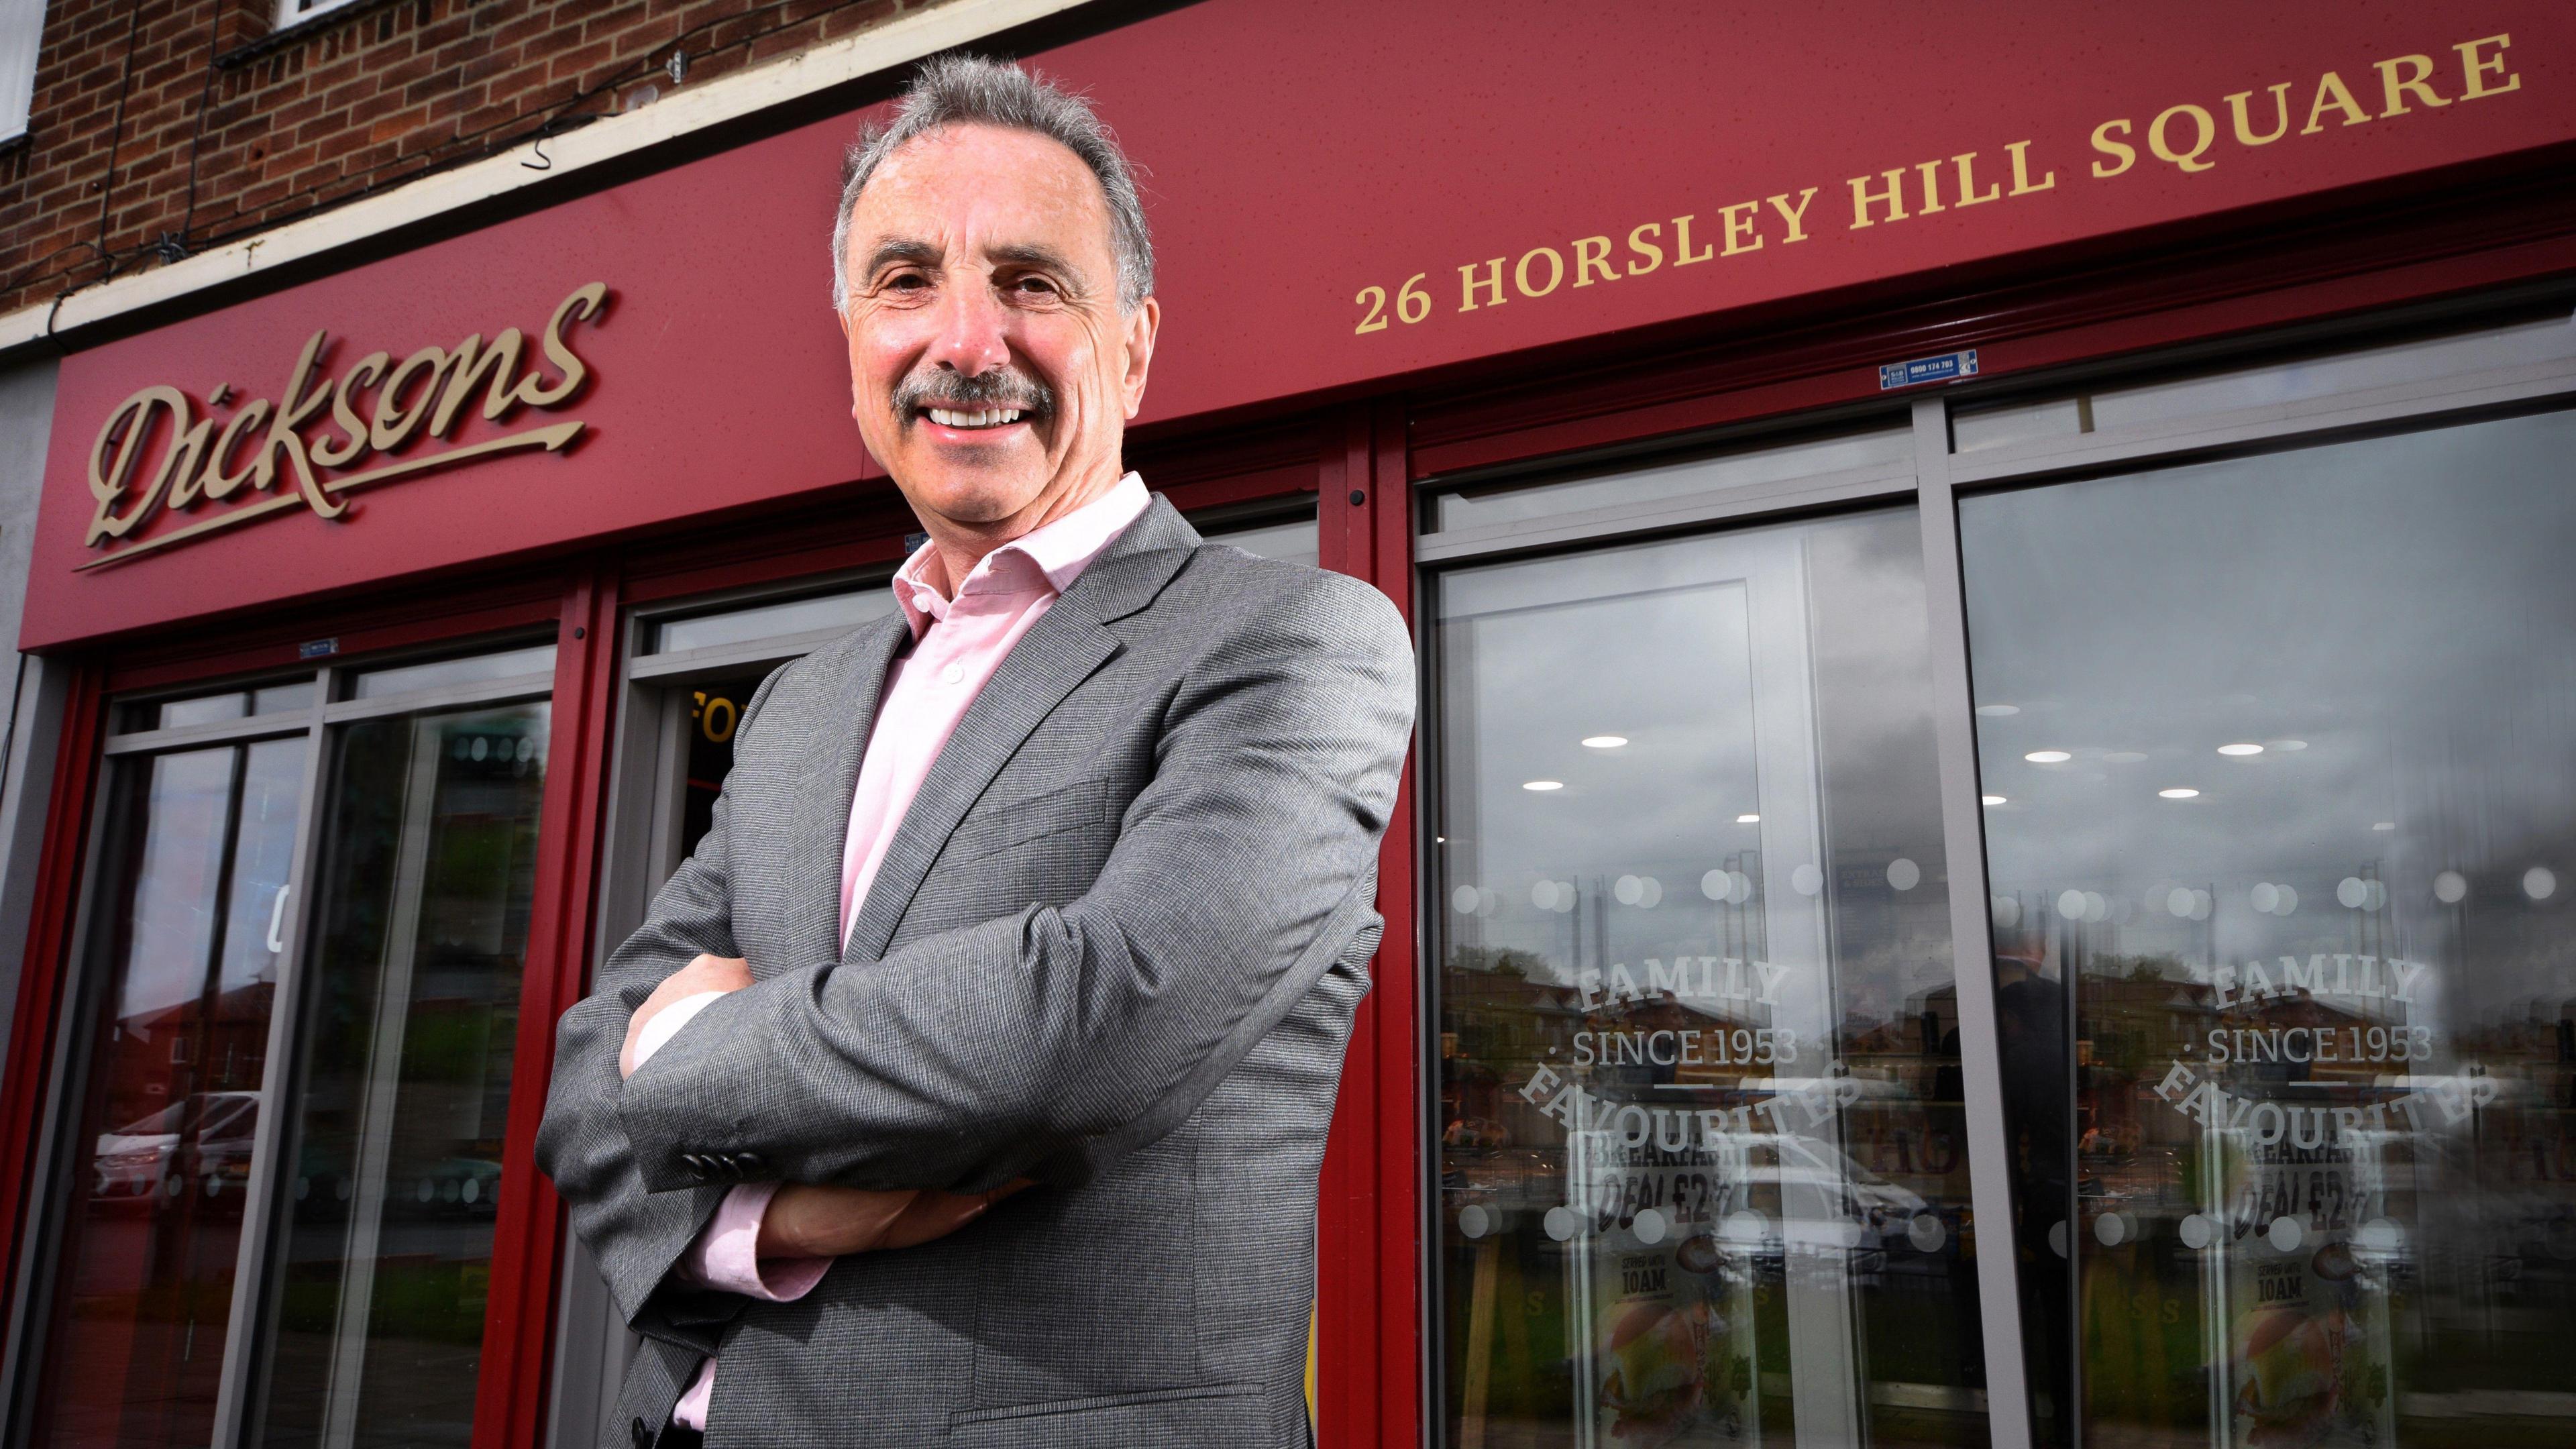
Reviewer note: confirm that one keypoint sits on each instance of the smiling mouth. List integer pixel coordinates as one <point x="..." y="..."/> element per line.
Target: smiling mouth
<point x="971" y="419"/>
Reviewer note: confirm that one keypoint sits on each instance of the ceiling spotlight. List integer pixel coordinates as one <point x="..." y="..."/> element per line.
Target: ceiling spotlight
<point x="1604" y="742"/>
<point x="1542" y="785"/>
<point x="1998" y="711"/>
<point x="1994" y="799"/>
<point x="2384" y="825"/>
<point x="2240" y="749"/>
<point x="1748" y="819"/>
<point x="2179" y="794"/>
<point x="2048" y="757"/>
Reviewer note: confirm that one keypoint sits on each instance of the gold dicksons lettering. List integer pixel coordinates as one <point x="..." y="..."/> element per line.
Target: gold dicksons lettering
<point x="262" y="448"/>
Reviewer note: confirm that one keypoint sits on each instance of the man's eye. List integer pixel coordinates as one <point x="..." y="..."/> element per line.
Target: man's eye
<point x="906" y="282"/>
<point x="1038" y="286"/>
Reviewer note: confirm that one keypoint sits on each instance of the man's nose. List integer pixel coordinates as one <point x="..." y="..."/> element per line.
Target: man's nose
<point x="971" y="334"/>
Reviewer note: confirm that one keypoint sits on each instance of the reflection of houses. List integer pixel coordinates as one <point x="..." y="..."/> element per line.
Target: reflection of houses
<point x="1913" y="1128"/>
<point x="1497" y="1025"/>
<point x="2141" y="1024"/>
<point x="157" y="1057"/>
<point x="1500" y="1024"/>
<point x="2536" y="1040"/>
<point x="1917" y="1050"/>
<point x="2302" y="1012"/>
<point x="2136" y="1026"/>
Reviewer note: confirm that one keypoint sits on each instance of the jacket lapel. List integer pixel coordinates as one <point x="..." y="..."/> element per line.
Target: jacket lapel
<point x="1067" y="645"/>
<point x="821" y="816"/>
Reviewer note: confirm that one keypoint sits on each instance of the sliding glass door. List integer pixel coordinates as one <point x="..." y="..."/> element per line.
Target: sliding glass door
<point x="2282" y="752"/>
<point x="2254" y="684"/>
<point x="187" y="938"/>
<point x="1703" y="1177"/>
<point x="427" y="870"/>
<point x="301" y="970"/>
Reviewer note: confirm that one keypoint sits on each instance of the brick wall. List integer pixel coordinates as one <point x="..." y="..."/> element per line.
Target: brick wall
<point x="162" y="127"/>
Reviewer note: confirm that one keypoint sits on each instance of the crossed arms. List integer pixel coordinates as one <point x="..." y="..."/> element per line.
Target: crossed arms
<point x="1043" y="1044"/>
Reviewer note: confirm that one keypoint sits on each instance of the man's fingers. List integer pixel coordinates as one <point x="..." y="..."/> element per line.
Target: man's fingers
<point x="935" y="1215"/>
<point x="718" y="973"/>
<point x="703" y="974"/>
<point x="806" y="1221"/>
<point x="932" y="1216"/>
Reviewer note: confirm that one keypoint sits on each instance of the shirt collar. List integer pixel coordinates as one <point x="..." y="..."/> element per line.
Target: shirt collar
<point x="1045" y="559"/>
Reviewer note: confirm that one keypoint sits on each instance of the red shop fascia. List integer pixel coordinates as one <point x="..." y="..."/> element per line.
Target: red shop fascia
<point x="1399" y="243"/>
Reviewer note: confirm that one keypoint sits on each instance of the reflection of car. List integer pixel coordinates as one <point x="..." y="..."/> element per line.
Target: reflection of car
<point x="140" y="1160"/>
<point x="1509" y="1181"/>
<point x="466" y="1186"/>
<point x="1811" y="1194"/>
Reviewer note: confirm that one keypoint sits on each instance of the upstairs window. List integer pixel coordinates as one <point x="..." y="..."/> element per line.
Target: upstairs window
<point x="296" y="12"/>
<point x="22" y="26"/>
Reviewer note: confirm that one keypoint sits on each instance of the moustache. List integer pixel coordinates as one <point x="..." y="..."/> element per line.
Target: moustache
<point x="1003" y="387"/>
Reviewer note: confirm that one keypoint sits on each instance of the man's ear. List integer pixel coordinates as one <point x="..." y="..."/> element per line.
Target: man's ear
<point x="1142" y="326"/>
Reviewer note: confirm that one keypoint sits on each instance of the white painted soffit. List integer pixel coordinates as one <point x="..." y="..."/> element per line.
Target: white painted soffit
<point x="897" y="42"/>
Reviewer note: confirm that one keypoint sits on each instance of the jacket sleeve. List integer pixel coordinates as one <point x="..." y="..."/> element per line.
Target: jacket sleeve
<point x="639" y="1237"/>
<point x="1045" y="1043"/>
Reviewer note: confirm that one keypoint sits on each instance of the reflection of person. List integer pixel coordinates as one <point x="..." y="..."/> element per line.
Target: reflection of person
<point x="2030" y="1027"/>
<point x="1060" y="880"/>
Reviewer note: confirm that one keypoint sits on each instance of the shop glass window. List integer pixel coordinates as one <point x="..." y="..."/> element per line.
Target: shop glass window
<point x="1491" y="505"/>
<point x="298" y="1088"/>
<point x="217" y="708"/>
<point x="828" y="613"/>
<point x="473" y="669"/>
<point x="204" y="709"/>
<point x="1702" y="1172"/>
<point x="384" y="1271"/>
<point x="197" y="860"/>
<point x="2131" y="406"/>
<point x="2281" y="825"/>
<point x="1290" y="540"/>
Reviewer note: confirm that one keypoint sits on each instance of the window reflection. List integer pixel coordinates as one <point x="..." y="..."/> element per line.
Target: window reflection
<point x="1702" y="1165"/>
<point x="450" y="673"/>
<point x="1291" y="540"/>
<point x="847" y="610"/>
<point x="384" y="1270"/>
<point x="1485" y="505"/>
<point x="2287" y="797"/>
<point x="199" y="855"/>
<point x="2132" y="405"/>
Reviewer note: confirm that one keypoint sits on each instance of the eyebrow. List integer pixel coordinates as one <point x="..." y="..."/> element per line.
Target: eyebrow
<point x="903" y="249"/>
<point x="918" y="252"/>
<point x="1030" y="254"/>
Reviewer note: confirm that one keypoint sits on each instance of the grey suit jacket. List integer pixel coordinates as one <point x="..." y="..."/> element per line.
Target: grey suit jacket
<point x="1115" y="946"/>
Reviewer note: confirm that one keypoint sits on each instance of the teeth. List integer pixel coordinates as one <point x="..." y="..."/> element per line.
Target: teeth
<point x="975" y="418"/>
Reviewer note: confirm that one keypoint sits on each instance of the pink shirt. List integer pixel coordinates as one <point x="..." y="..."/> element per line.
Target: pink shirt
<point x="958" y="640"/>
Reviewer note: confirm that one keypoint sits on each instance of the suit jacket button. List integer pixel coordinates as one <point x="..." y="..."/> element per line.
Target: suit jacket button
<point x="748" y="1162"/>
<point x="640" y="1436"/>
<point x="694" y="1165"/>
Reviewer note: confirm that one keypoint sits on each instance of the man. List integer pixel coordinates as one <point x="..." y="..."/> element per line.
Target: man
<point x="968" y="1085"/>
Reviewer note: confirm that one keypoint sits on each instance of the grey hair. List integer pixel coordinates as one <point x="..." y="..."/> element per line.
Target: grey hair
<point x="962" y="90"/>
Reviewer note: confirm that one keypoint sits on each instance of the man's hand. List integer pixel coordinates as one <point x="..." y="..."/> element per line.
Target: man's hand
<point x="806" y="1221"/>
<point x="706" y="973"/>
<point x="802" y="1220"/>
